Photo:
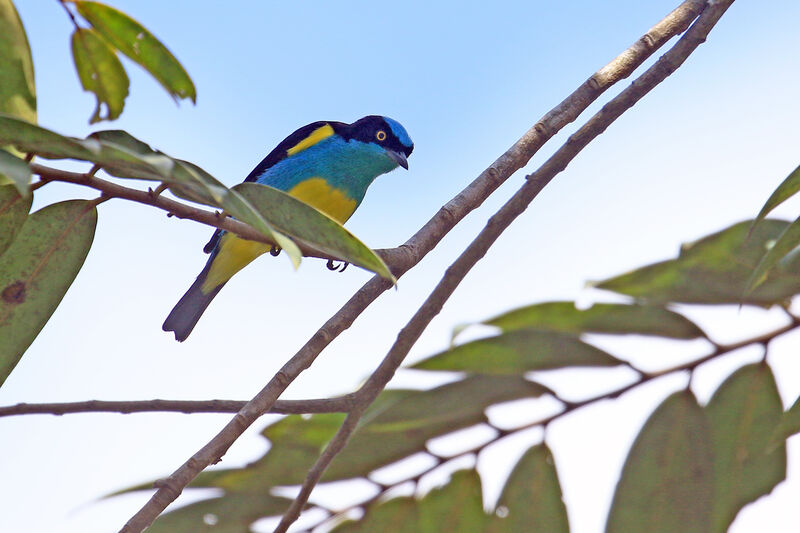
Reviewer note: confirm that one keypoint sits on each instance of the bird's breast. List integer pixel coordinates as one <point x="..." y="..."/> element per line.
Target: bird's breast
<point x="319" y="193"/>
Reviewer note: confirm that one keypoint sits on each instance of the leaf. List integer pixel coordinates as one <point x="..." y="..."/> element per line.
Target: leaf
<point x="100" y="72"/>
<point x="232" y="513"/>
<point x="136" y="42"/>
<point x="17" y="90"/>
<point x="518" y="352"/>
<point x="782" y="246"/>
<point x="13" y="212"/>
<point x="789" y="425"/>
<point x="599" y="318"/>
<point x="16" y="171"/>
<point x="29" y="137"/>
<point x="205" y="188"/>
<point x="667" y="481"/>
<point x="744" y="413"/>
<point x="401" y="422"/>
<point x="303" y="222"/>
<point x="456" y="506"/>
<point x="532" y="496"/>
<point x="36" y="271"/>
<point x="398" y="515"/>
<point x="715" y="270"/>
<point x="785" y="190"/>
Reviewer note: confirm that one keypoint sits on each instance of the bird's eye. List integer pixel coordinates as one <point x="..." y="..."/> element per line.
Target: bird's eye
<point x="381" y="135"/>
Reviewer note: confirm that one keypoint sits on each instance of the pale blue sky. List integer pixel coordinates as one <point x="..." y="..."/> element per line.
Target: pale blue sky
<point x="466" y="79"/>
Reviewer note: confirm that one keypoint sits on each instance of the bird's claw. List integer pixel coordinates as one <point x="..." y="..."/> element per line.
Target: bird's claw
<point x="335" y="267"/>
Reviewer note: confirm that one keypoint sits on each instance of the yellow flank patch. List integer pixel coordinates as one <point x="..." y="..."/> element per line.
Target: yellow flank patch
<point x="318" y="193"/>
<point x="234" y="254"/>
<point x="323" y="132"/>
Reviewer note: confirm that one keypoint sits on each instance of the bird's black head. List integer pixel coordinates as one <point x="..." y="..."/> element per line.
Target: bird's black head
<point x="383" y="131"/>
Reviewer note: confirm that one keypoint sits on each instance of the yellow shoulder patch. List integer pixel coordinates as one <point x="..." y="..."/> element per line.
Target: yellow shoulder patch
<point x="331" y="201"/>
<point x="323" y="132"/>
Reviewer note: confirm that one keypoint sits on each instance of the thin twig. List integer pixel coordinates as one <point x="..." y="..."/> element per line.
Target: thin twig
<point x="408" y="336"/>
<point x="342" y="404"/>
<point x="416" y="248"/>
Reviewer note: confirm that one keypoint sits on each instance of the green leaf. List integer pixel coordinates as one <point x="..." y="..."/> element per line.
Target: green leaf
<point x="531" y="497"/>
<point x="232" y="513"/>
<point x="100" y="72"/>
<point x="13" y="212"/>
<point x="122" y="155"/>
<point x="303" y="222"/>
<point x="398" y="515"/>
<point x="136" y="42"/>
<point x="789" y="425"/>
<point x="456" y="506"/>
<point x="36" y="271"/>
<point x="518" y="352"/>
<point x="744" y="413"/>
<point x="400" y="423"/>
<point x="203" y="187"/>
<point x="29" y="137"/>
<point x="715" y="270"/>
<point x="785" y="190"/>
<point x="16" y="171"/>
<point x="17" y="90"/>
<point x="782" y="246"/>
<point x="599" y="318"/>
<point x="667" y="482"/>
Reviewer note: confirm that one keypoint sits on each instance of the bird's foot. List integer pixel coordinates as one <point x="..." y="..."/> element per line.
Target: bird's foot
<point x="332" y="265"/>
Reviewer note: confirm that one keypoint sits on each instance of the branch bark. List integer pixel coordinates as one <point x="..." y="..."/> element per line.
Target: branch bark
<point x="410" y="253"/>
<point x="666" y="65"/>
<point x="342" y="404"/>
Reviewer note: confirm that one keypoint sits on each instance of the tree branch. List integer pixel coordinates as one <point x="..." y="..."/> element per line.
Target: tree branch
<point x="417" y="247"/>
<point x="342" y="404"/>
<point x="666" y="65"/>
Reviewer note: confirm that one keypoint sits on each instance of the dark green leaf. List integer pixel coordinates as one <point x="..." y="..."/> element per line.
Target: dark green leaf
<point x="783" y="245"/>
<point x="136" y="42"/>
<point x="398" y="515"/>
<point x="28" y="137"/>
<point x="518" y="352"/>
<point x="400" y="426"/>
<point x="667" y="482"/>
<point x="599" y="318"/>
<point x="311" y="226"/>
<point x="715" y="270"/>
<point x="789" y="425"/>
<point x="531" y="499"/>
<point x="785" y="190"/>
<point x="744" y="413"/>
<point x="16" y="171"/>
<point x="17" y="90"/>
<point x="457" y="506"/>
<point x="232" y="513"/>
<point x="36" y="271"/>
<point x="100" y="72"/>
<point x="13" y="212"/>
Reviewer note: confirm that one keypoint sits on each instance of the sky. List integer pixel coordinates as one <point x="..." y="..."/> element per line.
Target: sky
<point x="467" y="79"/>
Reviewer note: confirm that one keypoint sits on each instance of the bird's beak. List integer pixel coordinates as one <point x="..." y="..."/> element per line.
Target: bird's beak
<point x="400" y="157"/>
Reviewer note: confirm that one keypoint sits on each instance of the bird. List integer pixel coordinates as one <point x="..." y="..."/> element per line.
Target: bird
<point x="326" y="164"/>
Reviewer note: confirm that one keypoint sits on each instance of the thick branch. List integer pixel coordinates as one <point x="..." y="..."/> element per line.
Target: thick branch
<point x="416" y="248"/>
<point x="284" y="407"/>
<point x="408" y="336"/>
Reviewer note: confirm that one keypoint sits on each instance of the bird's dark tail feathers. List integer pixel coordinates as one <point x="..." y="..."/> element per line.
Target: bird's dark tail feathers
<point x="190" y="307"/>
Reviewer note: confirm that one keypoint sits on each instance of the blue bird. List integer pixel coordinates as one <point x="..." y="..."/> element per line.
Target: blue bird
<point x="328" y="165"/>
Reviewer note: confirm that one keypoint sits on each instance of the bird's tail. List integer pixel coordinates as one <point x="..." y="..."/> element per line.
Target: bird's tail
<point x="190" y="307"/>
